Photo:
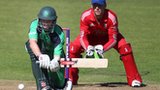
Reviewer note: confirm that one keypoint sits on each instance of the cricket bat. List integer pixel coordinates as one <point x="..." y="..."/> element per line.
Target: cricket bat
<point x="84" y="63"/>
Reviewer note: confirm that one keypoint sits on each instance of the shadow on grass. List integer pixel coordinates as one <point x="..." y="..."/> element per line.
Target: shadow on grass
<point x="109" y="84"/>
<point x="113" y="84"/>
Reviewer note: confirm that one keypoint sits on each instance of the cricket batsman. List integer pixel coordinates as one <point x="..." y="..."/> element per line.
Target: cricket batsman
<point x="45" y="47"/>
<point x="99" y="29"/>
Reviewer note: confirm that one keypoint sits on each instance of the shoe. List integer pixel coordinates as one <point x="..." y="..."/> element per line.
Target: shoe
<point x="136" y="83"/>
<point x="68" y="85"/>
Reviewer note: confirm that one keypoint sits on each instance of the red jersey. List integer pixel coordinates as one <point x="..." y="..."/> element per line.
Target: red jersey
<point x="103" y="32"/>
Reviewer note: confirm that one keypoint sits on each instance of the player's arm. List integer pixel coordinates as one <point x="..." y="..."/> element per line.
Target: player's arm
<point x="112" y="32"/>
<point x="34" y="47"/>
<point x="58" y="50"/>
<point x="84" y="33"/>
<point x="33" y="36"/>
<point x="44" y="59"/>
<point x="59" y="43"/>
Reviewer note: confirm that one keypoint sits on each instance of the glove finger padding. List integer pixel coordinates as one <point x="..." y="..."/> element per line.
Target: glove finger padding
<point x="54" y="65"/>
<point x="98" y="49"/>
<point x="44" y="61"/>
<point x="90" y="51"/>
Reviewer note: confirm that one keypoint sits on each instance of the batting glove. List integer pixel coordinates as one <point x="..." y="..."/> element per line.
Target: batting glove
<point x="89" y="51"/>
<point x="54" y="65"/>
<point x="44" y="61"/>
<point x="99" y="50"/>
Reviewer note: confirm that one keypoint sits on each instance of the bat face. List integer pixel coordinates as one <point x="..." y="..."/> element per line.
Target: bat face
<point x="85" y="63"/>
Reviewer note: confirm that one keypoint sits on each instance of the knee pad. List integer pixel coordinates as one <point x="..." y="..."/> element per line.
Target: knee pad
<point x="125" y="49"/>
<point x="27" y="47"/>
<point x="30" y="52"/>
<point x="127" y="58"/>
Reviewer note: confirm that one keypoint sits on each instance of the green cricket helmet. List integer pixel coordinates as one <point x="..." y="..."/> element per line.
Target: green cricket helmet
<point x="46" y="15"/>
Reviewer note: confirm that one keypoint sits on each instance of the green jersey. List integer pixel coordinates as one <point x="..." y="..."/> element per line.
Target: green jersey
<point x="50" y="43"/>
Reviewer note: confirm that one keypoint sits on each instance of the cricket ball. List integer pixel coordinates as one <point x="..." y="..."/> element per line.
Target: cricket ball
<point x="20" y="86"/>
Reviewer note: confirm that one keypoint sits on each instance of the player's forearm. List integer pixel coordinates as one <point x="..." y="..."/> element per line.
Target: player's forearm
<point x="112" y="38"/>
<point x="84" y="42"/>
<point x="109" y="44"/>
<point x="35" y="47"/>
<point x="57" y="57"/>
<point x="83" y="35"/>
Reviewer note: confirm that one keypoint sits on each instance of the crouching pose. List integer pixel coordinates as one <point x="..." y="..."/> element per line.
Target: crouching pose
<point x="99" y="26"/>
<point x="45" y="47"/>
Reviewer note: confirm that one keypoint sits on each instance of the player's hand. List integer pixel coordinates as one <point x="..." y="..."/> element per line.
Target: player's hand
<point x="99" y="50"/>
<point x="54" y="65"/>
<point x="89" y="51"/>
<point x="44" y="61"/>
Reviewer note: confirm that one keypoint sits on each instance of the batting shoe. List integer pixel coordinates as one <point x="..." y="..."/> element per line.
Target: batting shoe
<point x="68" y="85"/>
<point x="46" y="88"/>
<point x="136" y="83"/>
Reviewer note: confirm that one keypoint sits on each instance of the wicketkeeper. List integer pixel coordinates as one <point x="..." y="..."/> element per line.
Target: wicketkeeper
<point x="45" y="47"/>
<point x="99" y="27"/>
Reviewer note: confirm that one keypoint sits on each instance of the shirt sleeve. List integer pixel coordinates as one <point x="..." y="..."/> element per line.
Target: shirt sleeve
<point x="84" y="33"/>
<point x="112" y="32"/>
<point x="32" y="31"/>
<point x="59" y="48"/>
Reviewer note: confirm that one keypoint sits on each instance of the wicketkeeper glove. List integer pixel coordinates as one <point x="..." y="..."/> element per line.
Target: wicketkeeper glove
<point x="54" y="65"/>
<point x="90" y="51"/>
<point x="44" y="61"/>
<point x="99" y="50"/>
